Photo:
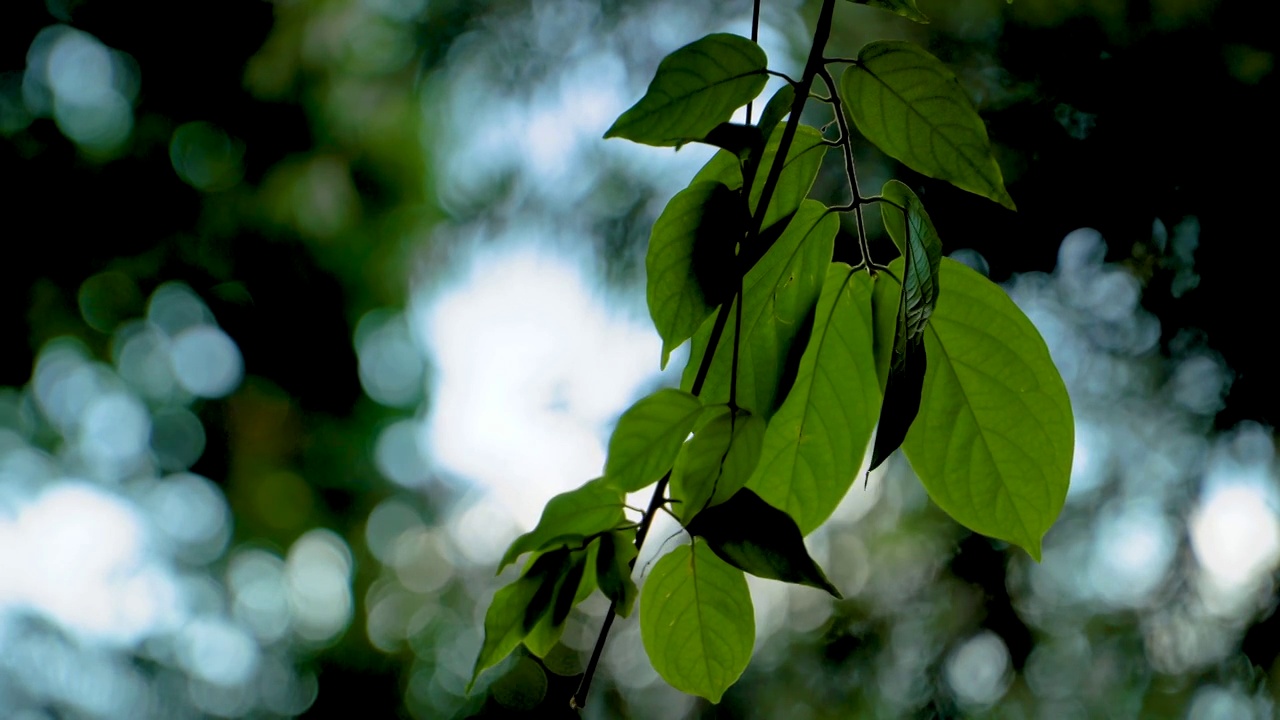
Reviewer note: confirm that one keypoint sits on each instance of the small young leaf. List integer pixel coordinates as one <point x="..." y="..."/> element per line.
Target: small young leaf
<point x="993" y="440"/>
<point x="648" y="437"/>
<point x="815" y="443"/>
<point x="905" y="8"/>
<point x="696" y="621"/>
<point x="696" y="88"/>
<point x="804" y="157"/>
<point x="680" y="263"/>
<point x="717" y="461"/>
<point x="911" y="106"/>
<point x="613" y="569"/>
<point x="913" y="232"/>
<point x="569" y="518"/>
<point x="777" y="108"/>
<point x="780" y="291"/>
<point x="516" y="608"/>
<point x="755" y="537"/>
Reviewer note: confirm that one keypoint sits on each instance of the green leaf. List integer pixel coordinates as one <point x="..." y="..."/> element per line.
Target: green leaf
<point x="919" y="243"/>
<point x="690" y="246"/>
<point x="696" y="88"/>
<point x="910" y="105"/>
<point x="717" y="461"/>
<point x="613" y="569"/>
<point x="777" y="108"/>
<point x="517" y="608"/>
<point x="905" y="8"/>
<point x="815" y="443"/>
<point x="569" y="518"/>
<point x="571" y="587"/>
<point x="804" y="157"/>
<point x="755" y="537"/>
<point x="993" y="440"/>
<point x="697" y="622"/>
<point x="780" y="292"/>
<point x="913" y="232"/>
<point x="648" y="437"/>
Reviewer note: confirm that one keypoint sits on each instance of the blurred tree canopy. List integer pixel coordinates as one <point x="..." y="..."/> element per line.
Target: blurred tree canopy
<point x="306" y="168"/>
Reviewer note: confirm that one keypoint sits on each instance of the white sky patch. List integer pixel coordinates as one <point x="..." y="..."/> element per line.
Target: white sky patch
<point x="78" y="556"/>
<point x="1235" y="533"/>
<point x="530" y="373"/>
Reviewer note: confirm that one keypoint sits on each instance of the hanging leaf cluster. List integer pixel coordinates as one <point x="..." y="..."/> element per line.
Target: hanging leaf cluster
<point x="804" y="373"/>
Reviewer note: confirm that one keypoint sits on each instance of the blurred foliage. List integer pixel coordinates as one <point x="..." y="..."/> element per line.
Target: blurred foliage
<point x="299" y="165"/>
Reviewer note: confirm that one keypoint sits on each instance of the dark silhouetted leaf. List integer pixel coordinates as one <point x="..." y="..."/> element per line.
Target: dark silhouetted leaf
<point x="780" y="292"/>
<point x="613" y="569"/>
<point x="741" y="140"/>
<point x="695" y="233"/>
<point x="755" y="537"/>
<point x="572" y="587"/>
<point x="804" y="157"/>
<point x="517" y="607"/>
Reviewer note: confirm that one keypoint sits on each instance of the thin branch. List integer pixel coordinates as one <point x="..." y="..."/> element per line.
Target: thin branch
<point x="849" y="169"/>
<point x="782" y="75"/>
<point x="849" y="61"/>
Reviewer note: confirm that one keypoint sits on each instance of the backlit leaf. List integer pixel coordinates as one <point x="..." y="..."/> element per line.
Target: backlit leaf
<point x="993" y="441"/>
<point x="696" y="88"/>
<point x="815" y="443"/>
<point x="569" y="518"/>
<point x="717" y="461"/>
<point x="911" y="106"/>
<point x="697" y="621"/>
<point x="648" y="437"/>
<point x="757" y="538"/>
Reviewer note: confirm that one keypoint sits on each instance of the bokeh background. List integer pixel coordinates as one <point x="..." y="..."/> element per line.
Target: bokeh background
<point x="307" y="307"/>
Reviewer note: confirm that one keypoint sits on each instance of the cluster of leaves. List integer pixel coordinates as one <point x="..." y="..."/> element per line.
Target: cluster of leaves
<point x="776" y="411"/>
